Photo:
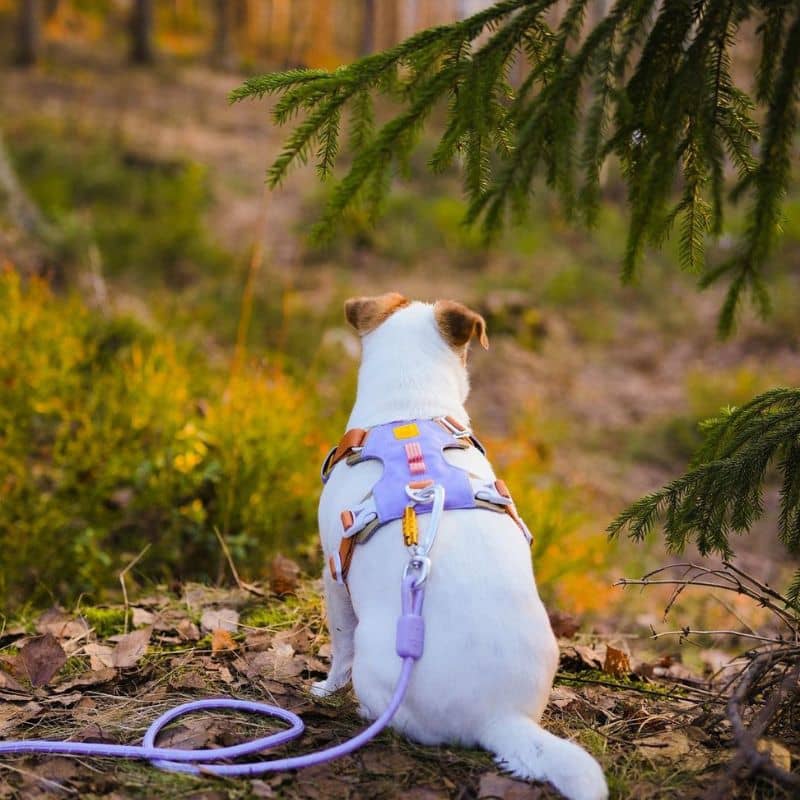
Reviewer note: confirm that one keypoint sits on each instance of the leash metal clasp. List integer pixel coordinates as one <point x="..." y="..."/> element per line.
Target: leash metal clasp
<point x="418" y="564"/>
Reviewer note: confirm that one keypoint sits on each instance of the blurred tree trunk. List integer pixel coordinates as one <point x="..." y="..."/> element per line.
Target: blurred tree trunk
<point x="30" y="32"/>
<point x="23" y="214"/>
<point x="141" y="29"/>
<point x="368" y="29"/>
<point x="221" y="54"/>
<point x="15" y="203"/>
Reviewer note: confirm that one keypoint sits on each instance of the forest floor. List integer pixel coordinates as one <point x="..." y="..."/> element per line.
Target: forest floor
<point x="88" y="676"/>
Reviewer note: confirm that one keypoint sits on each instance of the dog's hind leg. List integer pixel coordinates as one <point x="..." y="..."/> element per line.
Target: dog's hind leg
<point x="527" y="750"/>
<point x="341" y="625"/>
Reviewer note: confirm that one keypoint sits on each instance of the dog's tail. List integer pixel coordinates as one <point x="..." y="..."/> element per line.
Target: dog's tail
<point x="526" y="750"/>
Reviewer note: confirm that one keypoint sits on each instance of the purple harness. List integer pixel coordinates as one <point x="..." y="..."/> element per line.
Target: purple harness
<point x="412" y="455"/>
<point x="410" y="458"/>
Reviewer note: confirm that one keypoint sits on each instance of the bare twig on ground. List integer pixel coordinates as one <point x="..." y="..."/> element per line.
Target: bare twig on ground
<point x="768" y="680"/>
<point x="243" y="585"/>
<point x="122" y="575"/>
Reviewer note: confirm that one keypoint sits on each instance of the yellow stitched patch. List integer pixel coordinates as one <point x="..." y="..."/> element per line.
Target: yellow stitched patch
<point x="406" y="431"/>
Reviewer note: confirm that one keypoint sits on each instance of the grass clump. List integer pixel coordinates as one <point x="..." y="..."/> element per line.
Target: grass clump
<point x="105" y="621"/>
<point x="112" y="438"/>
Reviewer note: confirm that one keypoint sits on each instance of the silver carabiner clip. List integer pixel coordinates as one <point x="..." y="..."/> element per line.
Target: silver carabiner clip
<point x="418" y="564"/>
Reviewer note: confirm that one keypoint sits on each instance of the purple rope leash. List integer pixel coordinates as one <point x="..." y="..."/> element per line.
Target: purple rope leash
<point x="410" y="635"/>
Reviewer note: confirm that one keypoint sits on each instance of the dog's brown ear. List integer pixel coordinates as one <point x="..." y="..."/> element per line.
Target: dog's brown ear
<point x="458" y="324"/>
<point x="366" y="313"/>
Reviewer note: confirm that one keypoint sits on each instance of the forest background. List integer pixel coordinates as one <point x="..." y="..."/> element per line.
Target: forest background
<point x="174" y="360"/>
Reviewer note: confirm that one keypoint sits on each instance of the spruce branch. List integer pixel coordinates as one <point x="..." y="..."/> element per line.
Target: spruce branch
<point x="650" y="85"/>
<point x="722" y="493"/>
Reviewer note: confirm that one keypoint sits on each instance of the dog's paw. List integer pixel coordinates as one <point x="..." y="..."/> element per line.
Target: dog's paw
<point x="327" y="687"/>
<point x="320" y="689"/>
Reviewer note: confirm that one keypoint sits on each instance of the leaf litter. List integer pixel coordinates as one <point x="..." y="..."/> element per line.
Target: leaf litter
<point x="647" y="720"/>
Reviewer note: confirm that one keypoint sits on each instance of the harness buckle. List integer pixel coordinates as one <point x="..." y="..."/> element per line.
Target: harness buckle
<point x="458" y="430"/>
<point x="326" y="468"/>
<point x="353" y="458"/>
<point x="421" y="495"/>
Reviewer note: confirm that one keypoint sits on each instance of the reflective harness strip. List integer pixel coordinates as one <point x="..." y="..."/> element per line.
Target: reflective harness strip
<point x="412" y="455"/>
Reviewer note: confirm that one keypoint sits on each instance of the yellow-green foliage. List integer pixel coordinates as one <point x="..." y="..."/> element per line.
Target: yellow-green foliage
<point x="572" y="558"/>
<point x="112" y="438"/>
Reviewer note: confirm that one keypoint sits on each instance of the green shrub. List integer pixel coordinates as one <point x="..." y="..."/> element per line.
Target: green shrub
<point x="111" y="438"/>
<point x="143" y="214"/>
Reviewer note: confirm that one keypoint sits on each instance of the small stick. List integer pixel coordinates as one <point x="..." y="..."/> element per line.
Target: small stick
<point x="565" y="676"/>
<point x="57" y="788"/>
<point x="122" y="582"/>
<point x="690" y="631"/>
<point x="245" y="587"/>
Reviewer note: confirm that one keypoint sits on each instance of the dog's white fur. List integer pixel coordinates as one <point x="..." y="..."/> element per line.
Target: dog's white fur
<point x="490" y="654"/>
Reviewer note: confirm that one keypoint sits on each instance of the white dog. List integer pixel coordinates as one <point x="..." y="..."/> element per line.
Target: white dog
<point x="490" y="655"/>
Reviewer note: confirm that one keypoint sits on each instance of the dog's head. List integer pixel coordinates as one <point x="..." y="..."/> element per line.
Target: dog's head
<point x="413" y="347"/>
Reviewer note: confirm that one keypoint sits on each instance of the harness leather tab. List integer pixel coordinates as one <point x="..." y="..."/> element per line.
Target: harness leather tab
<point x="339" y="563"/>
<point x="352" y="439"/>
<point x="502" y="489"/>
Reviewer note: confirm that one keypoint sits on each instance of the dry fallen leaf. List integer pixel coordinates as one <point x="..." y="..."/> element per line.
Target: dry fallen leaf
<point x="717" y="662"/>
<point x="12" y="715"/>
<point x="298" y="637"/>
<point x="188" y="680"/>
<point x="277" y="663"/>
<point x="577" y="657"/>
<point x="142" y="617"/>
<point x="192" y="734"/>
<point x="493" y="786"/>
<point x="222" y="640"/>
<point x="42" y="657"/>
<point x="187" y="630"/>
<point x="100" y="655"/>
<point x="564" y="625"/>
<point x="561" y="696"/>
<point x="60" y="624"/>
<point x="259" y="788"/>
<point x="780" y="755"/>
<point x="95" y="734"/>
<point x="226" y="619"/>
<point x="284" y="575"/>
<point x="325" y="651"/>
<point x="91" y="678"/>
<point x="9" y="684"/>
<point x="258" y="640"/>
<point x="616" y="662"/>
<point x="665" y="746"/>
<point x="131" y="647"/>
